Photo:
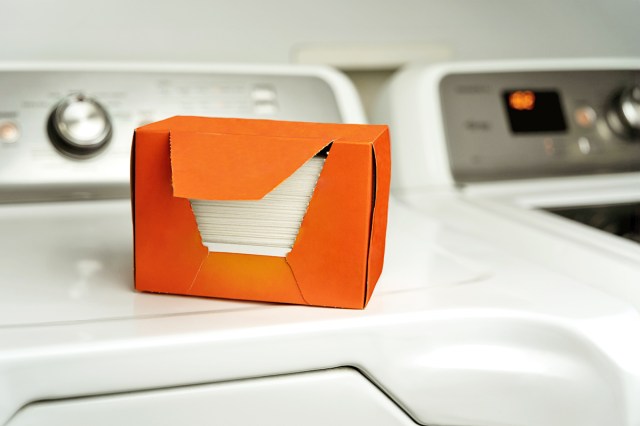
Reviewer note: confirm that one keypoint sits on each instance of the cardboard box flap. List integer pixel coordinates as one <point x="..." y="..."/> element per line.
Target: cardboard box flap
<point x="355" y="133"/>
<point x="331" y="248"/>
<point x="246" y="168"/>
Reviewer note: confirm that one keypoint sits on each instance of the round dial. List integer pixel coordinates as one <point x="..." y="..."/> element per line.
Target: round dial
<point x="79" y="126"/>
<point x="624" y="113"/>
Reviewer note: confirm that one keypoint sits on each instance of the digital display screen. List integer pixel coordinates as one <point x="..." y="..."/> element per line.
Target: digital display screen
<point x="533" y="111"/>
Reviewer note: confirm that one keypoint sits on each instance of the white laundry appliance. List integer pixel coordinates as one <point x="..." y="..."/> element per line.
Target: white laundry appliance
<point x="539" y="158"/>
<point x="460" y="330"/>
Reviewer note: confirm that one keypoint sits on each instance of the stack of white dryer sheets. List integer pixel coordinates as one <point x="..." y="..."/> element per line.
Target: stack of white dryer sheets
<point x="268" y="226"/>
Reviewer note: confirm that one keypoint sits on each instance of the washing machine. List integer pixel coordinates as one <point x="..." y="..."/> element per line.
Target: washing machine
<point x="537" y="157"/>
<point x="460" y="330"/>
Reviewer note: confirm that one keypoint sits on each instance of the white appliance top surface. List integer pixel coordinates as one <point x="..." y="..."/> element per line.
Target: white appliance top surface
<point x="457" y="332"/>
<point x="62" y="263"/>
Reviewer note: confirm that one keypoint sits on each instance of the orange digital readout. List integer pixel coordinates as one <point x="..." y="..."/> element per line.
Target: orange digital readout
<point x="521" y="100"/>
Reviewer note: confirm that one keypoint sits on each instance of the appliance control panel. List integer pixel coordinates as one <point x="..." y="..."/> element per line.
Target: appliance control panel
<point x="66" y="134"/>
<point x="529" y="124"/>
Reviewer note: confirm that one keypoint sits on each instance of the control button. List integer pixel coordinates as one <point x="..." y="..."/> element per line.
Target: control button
<point x="263" y="94"/>
<point x="82" y="122"/>
<point x="585" y="116"/>
<point x="554" y="148"/>
<point x="79" y="126"/>
<point x="584" y="145"/>
<point x="549" y="147"/>
<point x="9" y="131"/>
<point x="623" y="115"/>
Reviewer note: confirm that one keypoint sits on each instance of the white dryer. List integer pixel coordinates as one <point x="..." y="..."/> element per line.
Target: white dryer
<point x="539" y="158"/>
<point x="460" y="330"/>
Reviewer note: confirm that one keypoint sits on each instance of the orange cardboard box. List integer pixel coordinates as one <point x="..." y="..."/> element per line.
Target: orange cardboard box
<point x="338" y="253"/>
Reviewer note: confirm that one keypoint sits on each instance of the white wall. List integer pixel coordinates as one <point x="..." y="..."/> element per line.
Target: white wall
<point x="268" y="30"/>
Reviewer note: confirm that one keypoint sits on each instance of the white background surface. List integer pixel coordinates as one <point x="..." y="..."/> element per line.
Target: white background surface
<point x="268" y="31"/>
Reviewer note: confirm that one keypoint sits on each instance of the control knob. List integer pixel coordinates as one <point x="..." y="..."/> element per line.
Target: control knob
<point x="79" y="126"/>
<point x="623" y="115"/>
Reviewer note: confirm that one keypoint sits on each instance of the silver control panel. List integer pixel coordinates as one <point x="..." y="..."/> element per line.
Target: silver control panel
<point x="510" y="125"/>
<point x="67" y="134"/>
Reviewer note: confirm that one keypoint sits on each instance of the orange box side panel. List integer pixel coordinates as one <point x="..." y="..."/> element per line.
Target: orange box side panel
<point x="329" y="257"/>
<point x="162" y="221"/>
<point x="382" y="153"/>
<point x="211" y="166"/>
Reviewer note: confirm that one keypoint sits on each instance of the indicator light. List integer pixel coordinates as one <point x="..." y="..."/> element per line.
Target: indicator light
<point x="522" y="100"/>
